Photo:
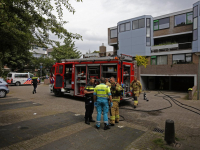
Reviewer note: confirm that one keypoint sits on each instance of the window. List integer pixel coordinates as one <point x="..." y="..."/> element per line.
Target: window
<point x="61" y="69"/>
<point x="155" y="25"/>
<point x="189" y="19"/>
<point x="195" y="23"/>
<point x="128" y="26"/>
<point x="164" y="23"/>
<point x="141" y="23"/>
<point x="153" y="60"/>
<point x="188" y="58"/>
<point x="195" y="35"/>
<point x="122" y="27"/>
<point x="148" y="22"/>
<point x="135" y="24"/>
<point x="21" y="75"/>
<point x="161" y="23"/>
<point x="161" y="60"/>
<point x="125" y="27"/>
<point x="180" y="20"/>
<point x="44" y="49"/>
<point x="195" y="11"/>
<point x="148" y="41"/>
<point x="113" y="33"/>
<point x="182" y="58"/>
<point x="158" y="60"/>
<point x="148" y="32"/>
<point x="31" y="75"/>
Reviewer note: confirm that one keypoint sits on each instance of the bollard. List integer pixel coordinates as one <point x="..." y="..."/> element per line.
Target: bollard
<point x="169" y="131"/>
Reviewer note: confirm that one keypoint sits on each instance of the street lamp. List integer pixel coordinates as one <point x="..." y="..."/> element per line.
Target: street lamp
<point x="41" y="70"/>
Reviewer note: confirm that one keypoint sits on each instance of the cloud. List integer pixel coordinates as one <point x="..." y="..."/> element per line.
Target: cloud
<point x="93" y="17"/>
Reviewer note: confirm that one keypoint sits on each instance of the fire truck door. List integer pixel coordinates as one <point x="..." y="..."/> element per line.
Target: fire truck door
<point x="59" y="73"/>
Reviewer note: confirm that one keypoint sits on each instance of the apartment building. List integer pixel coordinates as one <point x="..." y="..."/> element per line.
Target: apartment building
<point x="38" y="51"/>
<point x="170" y="42"/>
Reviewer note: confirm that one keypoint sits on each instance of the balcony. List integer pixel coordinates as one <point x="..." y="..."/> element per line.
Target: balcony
<point x="171" y="47"/>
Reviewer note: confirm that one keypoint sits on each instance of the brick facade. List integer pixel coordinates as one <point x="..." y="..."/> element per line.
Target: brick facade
<point x="170" y="68"/>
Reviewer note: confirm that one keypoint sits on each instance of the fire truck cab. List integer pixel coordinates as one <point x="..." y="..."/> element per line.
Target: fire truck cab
<point x="71" y="76"/>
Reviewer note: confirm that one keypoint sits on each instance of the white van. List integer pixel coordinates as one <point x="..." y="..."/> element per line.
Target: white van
<point x="19" y="78"/>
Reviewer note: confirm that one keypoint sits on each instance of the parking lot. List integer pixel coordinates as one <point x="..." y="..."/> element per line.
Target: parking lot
<point x="43" y="121"/>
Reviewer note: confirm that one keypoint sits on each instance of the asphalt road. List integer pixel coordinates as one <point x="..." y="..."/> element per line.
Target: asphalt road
<point x="43" y="121"/>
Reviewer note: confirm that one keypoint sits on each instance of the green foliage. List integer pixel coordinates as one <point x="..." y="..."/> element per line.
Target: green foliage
<point x="46" y="62"/>
<point x="162" y="144"/>
<point x="166" y="43"/>
<point x="17" y="59"/>
<point x="66" y="51"/>
<point x="24" y="22"/>
<point x="96" y="51"/>
<point x="141" y="60"/>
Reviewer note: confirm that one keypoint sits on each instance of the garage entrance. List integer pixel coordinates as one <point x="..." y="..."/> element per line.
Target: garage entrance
<point x="171" y="83"/>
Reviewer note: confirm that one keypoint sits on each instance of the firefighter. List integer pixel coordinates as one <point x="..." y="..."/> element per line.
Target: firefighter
<point x="107" y="83"/>
<point x="34" y="83"/>
<point x="102" y="96"/>
<point x="89" y="102"/>
<point x="136" y="89"/>
<point x="116" y="90"/>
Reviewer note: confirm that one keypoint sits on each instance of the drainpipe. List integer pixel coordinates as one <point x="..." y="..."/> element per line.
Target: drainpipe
<point x="198" y="80"/>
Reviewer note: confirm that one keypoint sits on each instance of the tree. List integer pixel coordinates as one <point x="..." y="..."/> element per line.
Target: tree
<point x="17" y="59"/>
<point x="66" y="51"/>
<point x="141" y="60"/>
<point x="24" y="22"/>
<point x="47" y="63"/>
<point x="95" y="51"/>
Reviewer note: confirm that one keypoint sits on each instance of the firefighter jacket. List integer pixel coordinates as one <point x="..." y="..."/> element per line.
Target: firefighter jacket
<point x="108" y="84"/>
<point x="116" y="90"/>
<point x="102" y="91"/>
<point x="89" y="87"/>
<point x="136" y="87"/>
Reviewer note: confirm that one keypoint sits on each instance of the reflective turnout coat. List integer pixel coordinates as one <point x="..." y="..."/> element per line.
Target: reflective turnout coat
<point x="136" y="88"/>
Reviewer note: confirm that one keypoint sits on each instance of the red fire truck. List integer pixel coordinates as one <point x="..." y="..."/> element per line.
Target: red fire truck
<point x="71" y="76"/>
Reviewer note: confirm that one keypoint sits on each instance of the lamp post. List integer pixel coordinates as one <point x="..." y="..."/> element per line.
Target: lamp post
<point x="41" y="70"/>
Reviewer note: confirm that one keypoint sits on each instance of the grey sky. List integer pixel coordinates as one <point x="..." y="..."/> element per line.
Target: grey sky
<point x="93" y="17"/>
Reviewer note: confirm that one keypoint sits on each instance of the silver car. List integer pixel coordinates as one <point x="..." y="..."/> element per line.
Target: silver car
<point x="3" y="88"/>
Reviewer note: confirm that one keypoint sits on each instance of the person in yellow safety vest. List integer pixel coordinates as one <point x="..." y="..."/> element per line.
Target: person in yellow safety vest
<point x="116" y="93"/>
<point x="107" y="83"/>
<point x="101" y="96"/>
<point x="34" y="83"/>
<point x="136" y="89"/>
<point x="89" y="102"/>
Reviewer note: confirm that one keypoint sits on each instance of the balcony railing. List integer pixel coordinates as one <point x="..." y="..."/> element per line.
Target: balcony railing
<point x="171" y="47"/>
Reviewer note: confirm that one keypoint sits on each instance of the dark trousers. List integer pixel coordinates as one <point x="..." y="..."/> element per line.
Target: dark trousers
<point x="34" y="86"/>
<point x="89" y="107"/>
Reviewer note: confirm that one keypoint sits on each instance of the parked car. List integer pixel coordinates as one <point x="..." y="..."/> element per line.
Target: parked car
<point x="19" y="78"/>
<point x="3" y="88"/>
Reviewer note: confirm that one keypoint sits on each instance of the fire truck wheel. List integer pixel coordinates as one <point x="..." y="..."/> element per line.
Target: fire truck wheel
<point x="57" y="93"/>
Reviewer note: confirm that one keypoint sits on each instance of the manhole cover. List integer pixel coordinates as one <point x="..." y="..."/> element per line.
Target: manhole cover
<point x="158" y="130"/>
